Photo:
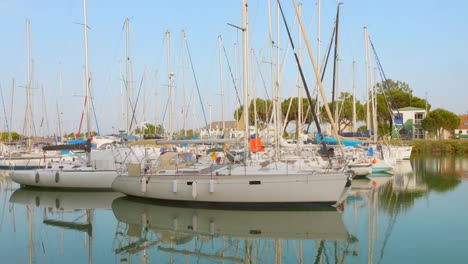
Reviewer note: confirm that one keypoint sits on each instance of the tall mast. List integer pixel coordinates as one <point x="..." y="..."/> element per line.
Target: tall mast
<point x="122" y="99"/>
<point x="335" y="67"/>
<point x="245" y="68"/>
<point x="11" y="107"/>
<point x="145" y="79"/>
<point x="169" y="81"/>
<point x="317" y="103"/>
<point x="183" y="83"/>
<point x="354" y="96"/>
<point x="368" y="79"/>
<point x="273" y="82"/>
<point x="156" y="100"/>
<point x="220" y="46"/>
<point x="254" y="92"/>
<point x="279" y="116"/>
<point x="28" y="85"/>
<point x="127" y="74"/>
<point x="88" y="103"/>
<point x="374" y="110"/>
<point x="60" y="117"/>
<point x="299" y="86"/>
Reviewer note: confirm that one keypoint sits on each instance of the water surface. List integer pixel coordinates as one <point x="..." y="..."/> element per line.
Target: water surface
<point x="418" y="214"/>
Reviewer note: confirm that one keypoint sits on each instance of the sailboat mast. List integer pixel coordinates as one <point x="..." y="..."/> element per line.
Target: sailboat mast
<point x="335" y="66"/>
<point x="127" y="74"/>
<point x="299" y="86"/>
<point x="145" y="79"/>
<point x="183" y="83"/>
<point x="220" y="46"/>
<point x="169" y="81"/>
<point x="60" y="106"/>
<point x="374" y="111"/>
<point x="368" y="78"/>
<point x="11" y="108"/>
<point x="317" y="103"/>
<point x="88" y="104"/>
<point x="28" y="84"/>
<point x="245" y="68"/>
<point x="273" y="82"/>
<point x="354" y="97"/>
<point x="278" y="91"/>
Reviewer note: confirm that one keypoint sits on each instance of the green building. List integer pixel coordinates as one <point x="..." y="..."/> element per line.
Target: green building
<point x="408" y="123"/>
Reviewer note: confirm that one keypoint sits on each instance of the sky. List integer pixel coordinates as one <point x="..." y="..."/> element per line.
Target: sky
<point x="421" y="43"/>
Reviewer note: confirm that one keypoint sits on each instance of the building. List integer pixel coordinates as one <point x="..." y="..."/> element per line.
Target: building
<point x="408" y="123"/>
<point x="216" y="129"/>
<point x="462" y="130"/>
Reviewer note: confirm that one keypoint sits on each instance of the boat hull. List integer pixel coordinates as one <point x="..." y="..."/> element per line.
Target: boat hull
<point x="69" y="179"/>
<point x="313" y="189"/>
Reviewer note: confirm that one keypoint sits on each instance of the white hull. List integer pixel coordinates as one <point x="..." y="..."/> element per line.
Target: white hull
<point x="80" y="179"/>
<point x="300" y="188"/>
<point x="275" y="224"/>
<point x="362" y="169"/>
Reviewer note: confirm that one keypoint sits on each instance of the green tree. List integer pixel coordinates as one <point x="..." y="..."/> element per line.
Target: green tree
<point x="14" y="136"/>
<point x="264" y="111"/>
<point x="440" y="120"/>
<point x="345" y="110"/>
<point x="293" y="115"/>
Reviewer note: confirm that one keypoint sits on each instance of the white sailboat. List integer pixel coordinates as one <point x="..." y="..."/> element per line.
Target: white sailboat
<point x="22" y="155"/>
<point x="183" y="180"/>
<point x="96" y="172"/>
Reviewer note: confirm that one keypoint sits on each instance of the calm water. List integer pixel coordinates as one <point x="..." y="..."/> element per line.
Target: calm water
<point x="418" y="215"/>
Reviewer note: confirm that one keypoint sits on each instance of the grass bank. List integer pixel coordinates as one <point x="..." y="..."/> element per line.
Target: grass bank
<point x="457" y="147"/>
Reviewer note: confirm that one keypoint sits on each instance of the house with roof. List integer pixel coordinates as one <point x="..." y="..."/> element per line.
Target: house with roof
<point x="408" y="123"/>
<point x="462" y="130"/>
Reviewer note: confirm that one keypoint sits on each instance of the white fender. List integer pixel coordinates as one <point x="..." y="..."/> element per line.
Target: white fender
<point x="143" y="184"/>
<point x="211" y="186"/>
<point x="174" y="185"/>
<point x="194" y="190"/>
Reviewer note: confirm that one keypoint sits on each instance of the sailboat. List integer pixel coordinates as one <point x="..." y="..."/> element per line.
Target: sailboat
<point x="24" y="155"/>
<point x="182" y="179"/>
<point x="97" y="172"/>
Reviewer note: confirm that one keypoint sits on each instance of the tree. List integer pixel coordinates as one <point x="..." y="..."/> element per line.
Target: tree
<point x="264" y="111"/>
<point x="14" y="136"/>
<point x="440" y="120"/>
<point x="345" y="111"/>
<point x="293" y="114"/>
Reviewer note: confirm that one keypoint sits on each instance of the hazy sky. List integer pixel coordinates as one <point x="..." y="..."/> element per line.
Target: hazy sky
<point x="421" y="43"/>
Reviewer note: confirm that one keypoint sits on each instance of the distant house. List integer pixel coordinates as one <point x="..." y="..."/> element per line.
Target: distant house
<point x="408" y="122"/>
<point x="462" y="130"/>
<point x="216" y="129"/>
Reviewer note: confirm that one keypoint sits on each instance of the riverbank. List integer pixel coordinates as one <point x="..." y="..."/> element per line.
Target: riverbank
<point x="457" y="147"/>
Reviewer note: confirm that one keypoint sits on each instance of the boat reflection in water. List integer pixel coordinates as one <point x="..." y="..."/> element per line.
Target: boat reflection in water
<point x="221" y="234"/>
<point x="61" y="210"/>
<point x="64" y="200"/>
